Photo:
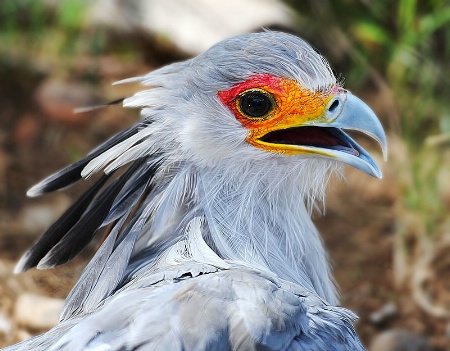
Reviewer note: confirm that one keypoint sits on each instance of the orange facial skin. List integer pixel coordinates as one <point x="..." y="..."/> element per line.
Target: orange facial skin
<point x="295" y="106"/>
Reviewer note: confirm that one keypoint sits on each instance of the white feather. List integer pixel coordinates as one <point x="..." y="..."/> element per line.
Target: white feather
<point x="108" y="156"/>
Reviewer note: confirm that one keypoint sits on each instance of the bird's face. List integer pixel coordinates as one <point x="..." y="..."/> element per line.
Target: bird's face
<point x="285" y="118"/>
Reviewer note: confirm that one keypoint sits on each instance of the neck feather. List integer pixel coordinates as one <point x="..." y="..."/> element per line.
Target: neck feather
<point x="260" y="216"/>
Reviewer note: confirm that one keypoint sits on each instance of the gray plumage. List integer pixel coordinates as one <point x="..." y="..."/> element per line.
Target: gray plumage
<point x="212" y="246"/>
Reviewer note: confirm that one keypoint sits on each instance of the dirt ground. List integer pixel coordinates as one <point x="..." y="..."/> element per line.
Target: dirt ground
<point x="39" y="135"/>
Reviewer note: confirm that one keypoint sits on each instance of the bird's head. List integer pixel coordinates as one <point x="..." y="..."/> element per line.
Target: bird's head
<point x="257" y="97"/>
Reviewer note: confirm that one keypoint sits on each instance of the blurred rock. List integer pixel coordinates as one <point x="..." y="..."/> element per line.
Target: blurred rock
<point x="37" y="312"/>
<point x="193" y="26"/>
<point x="58" y="99"/>
<point x="5" y="325"/>
<point x="387" y="311"/>
<point x="399" y="340"/>
<point x="27" y="130"/>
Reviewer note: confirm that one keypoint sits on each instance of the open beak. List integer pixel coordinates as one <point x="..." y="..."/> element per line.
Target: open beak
<point x="324" y="136"/>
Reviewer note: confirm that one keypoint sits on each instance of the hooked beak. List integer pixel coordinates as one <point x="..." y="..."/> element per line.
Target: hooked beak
<point x="324" y="136"/>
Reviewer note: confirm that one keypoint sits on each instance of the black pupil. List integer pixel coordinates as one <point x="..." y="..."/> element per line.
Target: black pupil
<point x="255" y="104"/>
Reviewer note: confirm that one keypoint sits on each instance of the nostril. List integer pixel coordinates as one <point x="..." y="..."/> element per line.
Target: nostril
<point x="334" y="106"/>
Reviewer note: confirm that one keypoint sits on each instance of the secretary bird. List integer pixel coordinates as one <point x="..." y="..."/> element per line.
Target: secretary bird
<point x="210" y="243"/>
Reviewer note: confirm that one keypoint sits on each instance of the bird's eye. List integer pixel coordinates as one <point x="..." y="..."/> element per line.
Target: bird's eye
<point x="255" y="103"/>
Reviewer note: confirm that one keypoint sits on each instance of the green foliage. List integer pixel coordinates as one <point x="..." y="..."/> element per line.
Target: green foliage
<point x="42" y="28"/>
<point x="19" y="17"/>
<point x="71" y="13"/>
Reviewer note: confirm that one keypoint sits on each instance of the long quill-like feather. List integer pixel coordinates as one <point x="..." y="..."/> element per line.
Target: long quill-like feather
<point x="72" y="173"/>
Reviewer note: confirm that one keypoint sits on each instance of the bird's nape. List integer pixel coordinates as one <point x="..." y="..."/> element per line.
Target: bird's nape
<point x="212" y="211"/>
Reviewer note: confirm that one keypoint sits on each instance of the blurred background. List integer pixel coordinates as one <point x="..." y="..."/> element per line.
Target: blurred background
<point x="388" y="240"/>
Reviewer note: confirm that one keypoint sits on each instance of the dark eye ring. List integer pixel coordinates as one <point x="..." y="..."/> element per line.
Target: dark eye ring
<point x="255" y="103"/>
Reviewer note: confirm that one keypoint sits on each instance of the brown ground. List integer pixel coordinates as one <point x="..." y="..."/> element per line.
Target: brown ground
<point x="39" y="135"/>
